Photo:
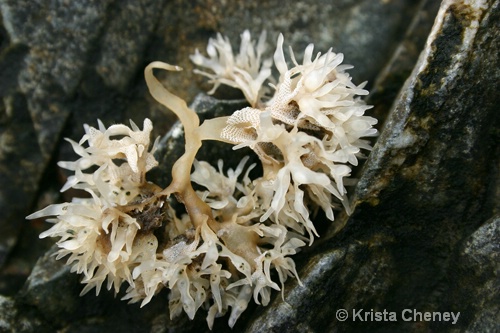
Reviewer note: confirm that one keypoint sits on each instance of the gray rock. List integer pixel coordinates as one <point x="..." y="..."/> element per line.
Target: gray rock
<point x="20" y="171"/>
<point x="14" y="320"/>
<point x="125" y="39"/>
<point x="58" y="36"/>
<point x="477" y="286"/>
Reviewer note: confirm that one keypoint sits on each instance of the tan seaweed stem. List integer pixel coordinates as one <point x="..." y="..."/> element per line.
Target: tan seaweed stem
<point x="240" y="240"/>
<point x="181" y="187"/>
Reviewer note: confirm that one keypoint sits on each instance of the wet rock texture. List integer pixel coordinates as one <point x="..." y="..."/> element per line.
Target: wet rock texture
<point x="425" y="230"/>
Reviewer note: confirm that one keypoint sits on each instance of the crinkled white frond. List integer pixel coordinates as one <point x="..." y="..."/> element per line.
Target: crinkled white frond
<point x="238" y="235"/>
<point x="246" y="70"/>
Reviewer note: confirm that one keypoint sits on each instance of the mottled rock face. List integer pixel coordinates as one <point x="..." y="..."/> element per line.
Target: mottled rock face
<point x="424" y="232"/>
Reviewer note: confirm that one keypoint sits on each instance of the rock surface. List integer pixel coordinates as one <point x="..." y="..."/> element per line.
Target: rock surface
<point x="424" y="234"/>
